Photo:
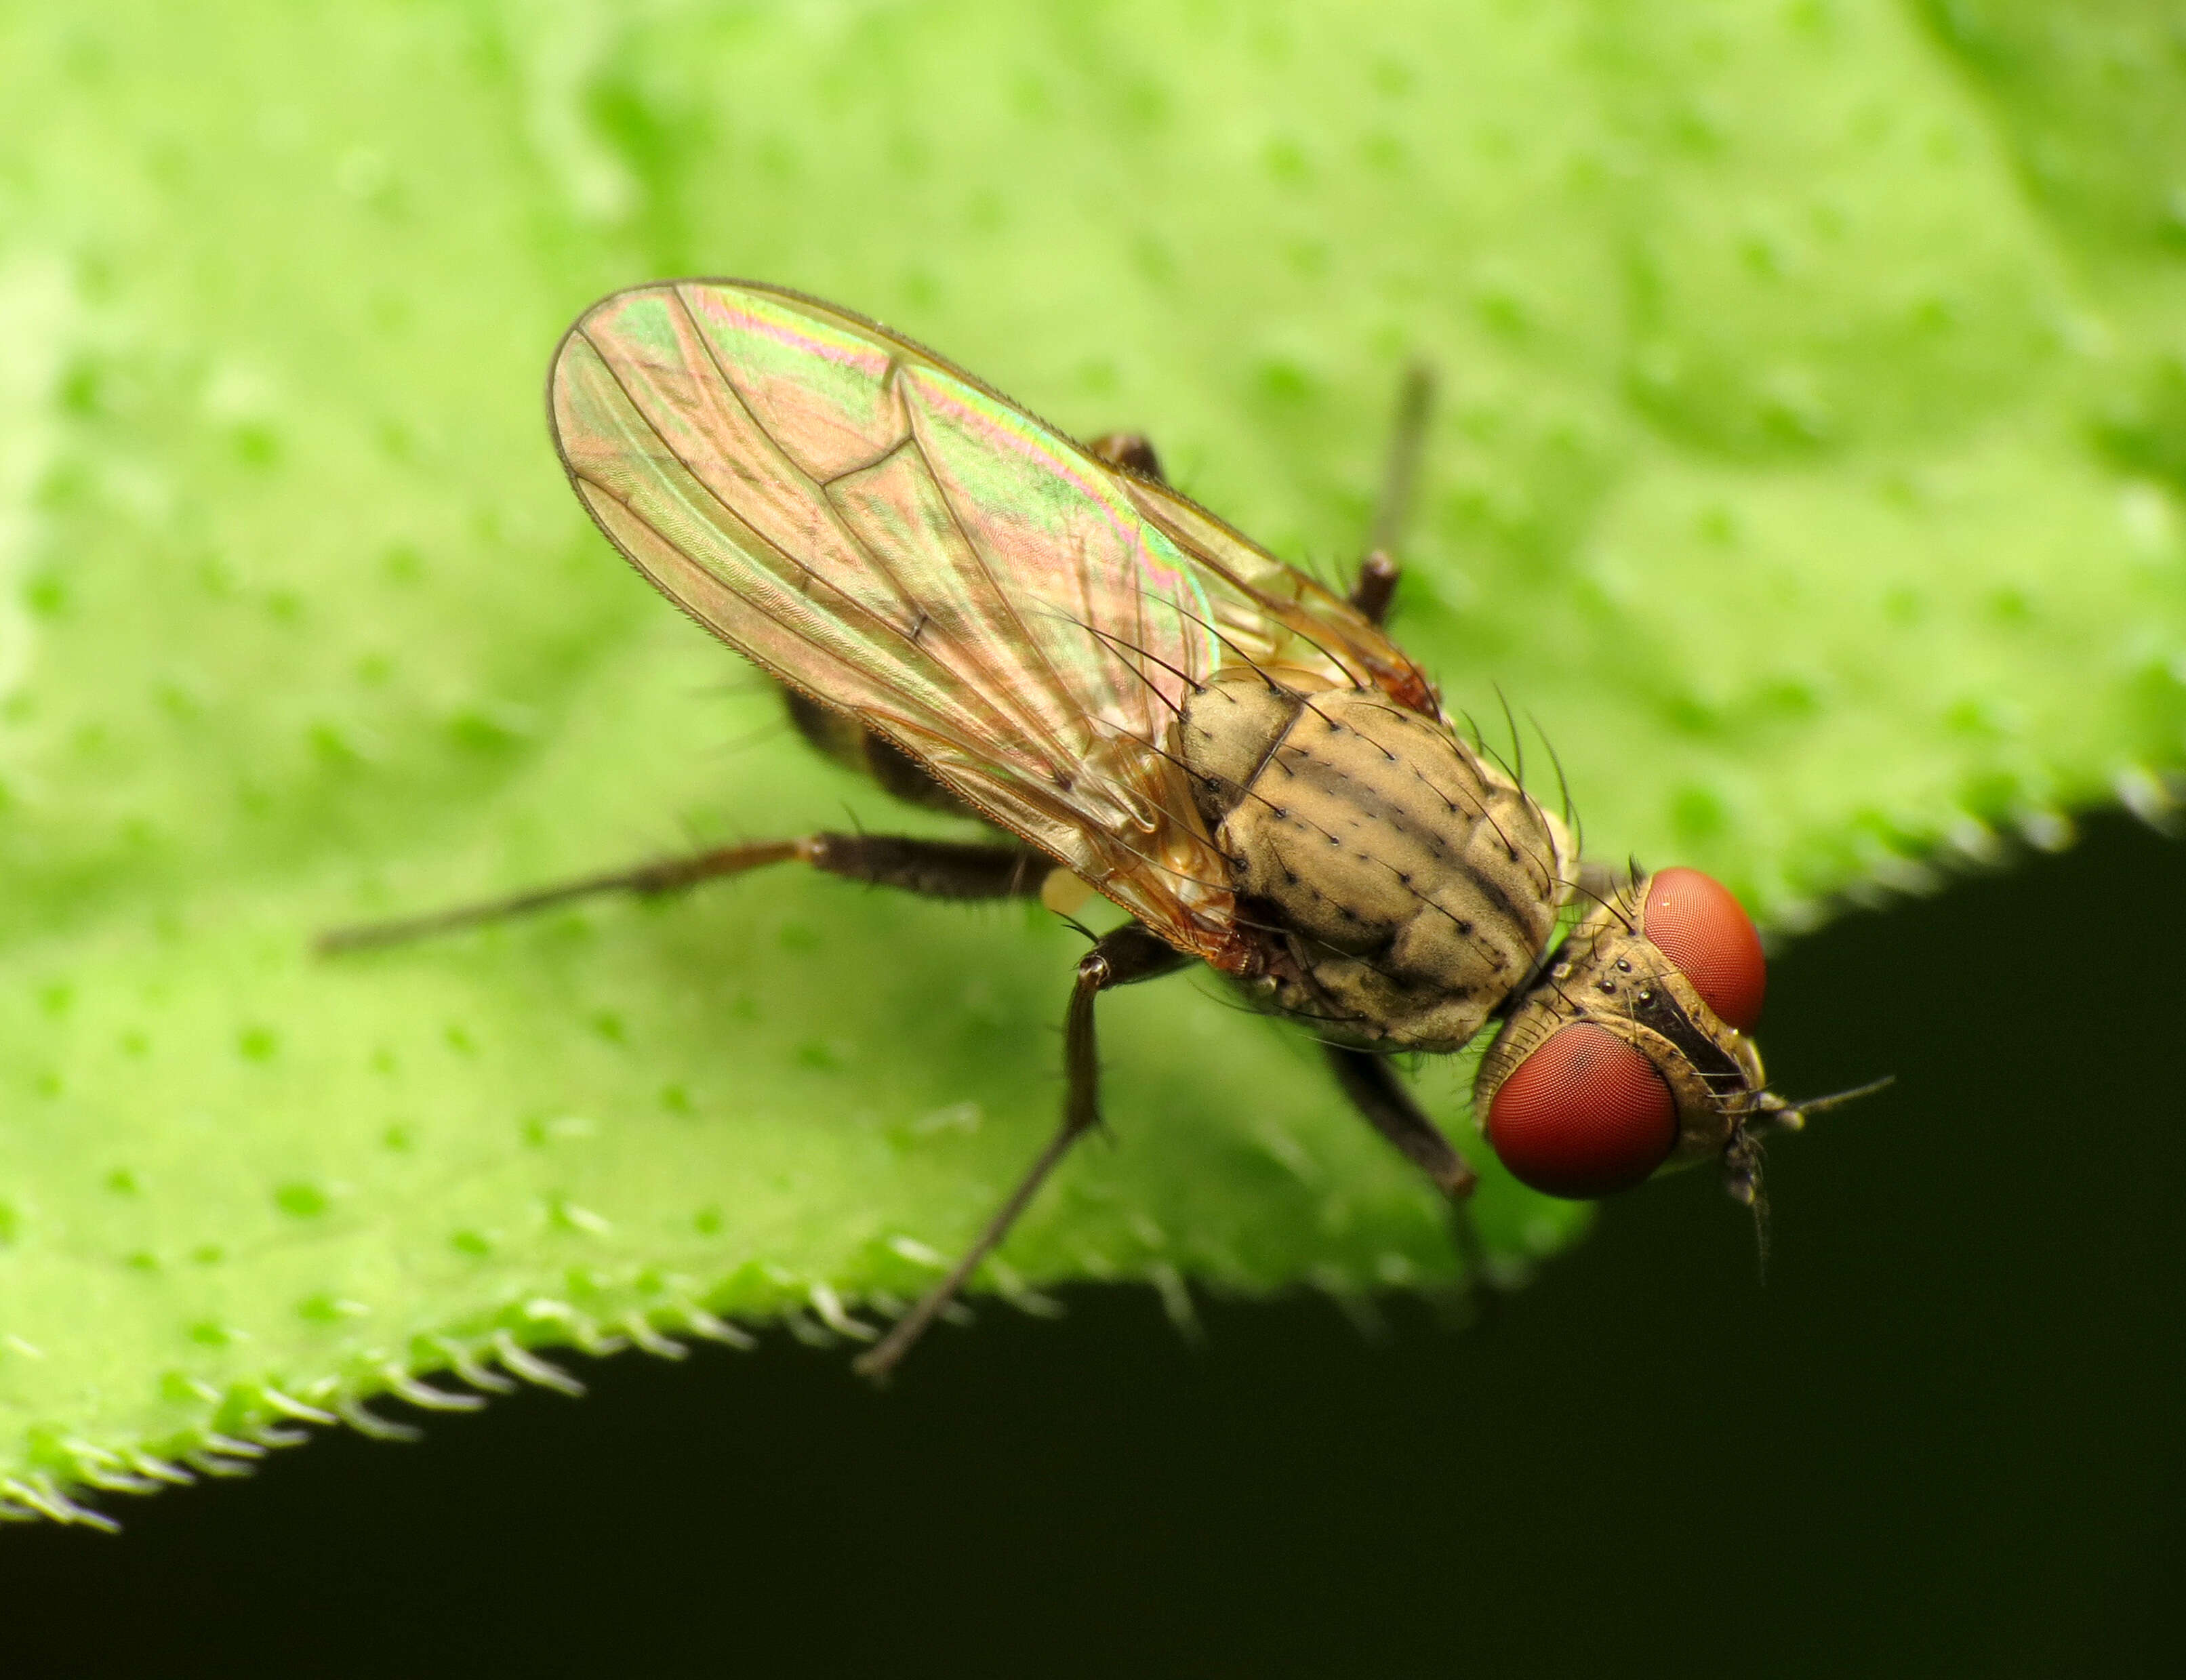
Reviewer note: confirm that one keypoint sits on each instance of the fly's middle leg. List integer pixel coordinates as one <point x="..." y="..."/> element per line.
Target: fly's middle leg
<point x="1122" y="957"/>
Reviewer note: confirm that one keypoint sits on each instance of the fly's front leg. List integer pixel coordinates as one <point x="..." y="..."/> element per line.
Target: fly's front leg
<point x="1378" y="572"/>
<point x="1375" y="1091"/>
<point x="933" y="869"/>
<point x="1373" y="1087"/>
<point x="1120" y="958"/>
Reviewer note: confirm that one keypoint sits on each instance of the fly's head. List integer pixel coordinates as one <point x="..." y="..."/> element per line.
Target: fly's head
<point x="1630" y="1053"/>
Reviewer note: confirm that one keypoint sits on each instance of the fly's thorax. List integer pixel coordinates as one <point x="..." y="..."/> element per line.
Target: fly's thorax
<point x="1403" y="885"/>
<point x="1610" y="975"/>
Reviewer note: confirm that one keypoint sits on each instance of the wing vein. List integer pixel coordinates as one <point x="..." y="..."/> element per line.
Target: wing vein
<point x="995" y="699"/>
<point x="1059" y="690"/>
<point x="934" y="677"/>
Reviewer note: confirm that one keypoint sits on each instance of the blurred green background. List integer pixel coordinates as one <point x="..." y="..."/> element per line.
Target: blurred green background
<point x="1808" y="471"/>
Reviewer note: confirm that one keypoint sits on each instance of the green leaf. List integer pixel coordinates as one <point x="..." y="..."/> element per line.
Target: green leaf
<point x="1808" y="471"/>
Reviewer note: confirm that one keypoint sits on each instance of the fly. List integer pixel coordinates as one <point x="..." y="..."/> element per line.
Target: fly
<point x="989" y="618"/>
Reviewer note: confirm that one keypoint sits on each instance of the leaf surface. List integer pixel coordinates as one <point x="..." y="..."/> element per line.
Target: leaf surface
<point x="1808" y="473"/>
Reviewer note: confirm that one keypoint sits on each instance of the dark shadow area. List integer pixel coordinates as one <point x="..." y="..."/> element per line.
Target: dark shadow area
<point x="1945" y="1438"/>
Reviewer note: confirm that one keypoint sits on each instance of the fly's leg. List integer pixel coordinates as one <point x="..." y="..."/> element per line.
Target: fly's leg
<point x="1375" y="1091"/>
<point x="850" y="743"/>
<point x="1131" y="451"/>
<point x="1388" y="1108"/>
<point x="1377" y="572"/>
<point x="1120" y="958"/>
<point x="935" y="869"/>
<point x="1377" y="586"/>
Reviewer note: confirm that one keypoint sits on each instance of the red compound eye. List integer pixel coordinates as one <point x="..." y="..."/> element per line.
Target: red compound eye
<point x="1585" y="1114"/>
<point x="1694" y="921"/>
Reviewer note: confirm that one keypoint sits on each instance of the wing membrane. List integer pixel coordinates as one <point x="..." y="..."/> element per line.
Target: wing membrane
<point x="887" y="534"/>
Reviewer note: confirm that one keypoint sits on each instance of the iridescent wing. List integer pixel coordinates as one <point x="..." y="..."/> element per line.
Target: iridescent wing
<point x="884" y="532"/>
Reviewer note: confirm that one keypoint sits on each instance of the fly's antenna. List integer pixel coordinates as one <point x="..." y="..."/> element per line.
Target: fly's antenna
<point x="1400" y="473"/>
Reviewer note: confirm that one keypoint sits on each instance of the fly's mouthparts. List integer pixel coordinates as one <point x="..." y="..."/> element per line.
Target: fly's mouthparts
<point x="1741" y="1172"/>
<point x="1742" y="1176"/>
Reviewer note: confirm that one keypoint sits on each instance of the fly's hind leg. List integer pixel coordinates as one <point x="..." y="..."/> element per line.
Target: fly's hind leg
<point x="934" y="869"/>
<point x="1381" y="1100"/>
<point x="1120" y="958"/>
<point x="1378" y="572"/>
<point x="841" y="738"/>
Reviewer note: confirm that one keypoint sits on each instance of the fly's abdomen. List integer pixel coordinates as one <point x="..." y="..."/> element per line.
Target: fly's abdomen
<point x="1407" y="885"/>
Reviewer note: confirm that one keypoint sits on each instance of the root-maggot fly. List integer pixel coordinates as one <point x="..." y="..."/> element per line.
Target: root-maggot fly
<point x="988" y="617"/>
